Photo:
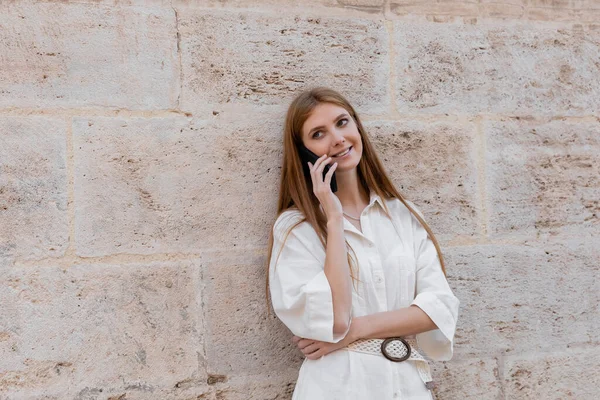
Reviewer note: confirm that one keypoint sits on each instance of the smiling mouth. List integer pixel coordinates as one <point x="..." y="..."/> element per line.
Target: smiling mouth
<point x="343" y="153"/>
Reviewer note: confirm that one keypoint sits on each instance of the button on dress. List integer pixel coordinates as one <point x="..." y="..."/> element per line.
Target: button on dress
<point x="398" y="266"/>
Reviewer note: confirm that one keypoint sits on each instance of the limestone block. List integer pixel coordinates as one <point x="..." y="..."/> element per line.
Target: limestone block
<point x="86" y="55"/>
<point x="246" y="4"/>
<point x="434" y="7"/>
<point x="542" y="10"/>
<point x="542" y="178"/>
<point x="273" y="4"/>
<point x="162" y="185"/>
<point x="241" y="338"/>
<point x="271" y="385"/>
<point x="467" y="379"/>
<point x="362" y="3"/>
<point x="564" y="10"/>
<point x="261" y="4"/>
<point x="126" y="392"/>
<point x="561" y="374"/>
<point x="433" y="165"/>
<point x="235" y="59"/>
<point x="33" y="187"/>
<point x="524" y="298"/>
<point x="496" y="68"/>
<point x="85" y="330"/>
<point x="506" y="9"/>
<point x="564" y="4"/>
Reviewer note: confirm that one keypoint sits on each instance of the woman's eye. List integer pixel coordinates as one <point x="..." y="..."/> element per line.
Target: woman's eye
<point x="343" y="119"/>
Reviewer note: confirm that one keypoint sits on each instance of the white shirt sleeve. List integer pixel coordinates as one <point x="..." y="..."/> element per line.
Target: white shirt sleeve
<point x="434" y="297"/>
<point x="299" y="289"/>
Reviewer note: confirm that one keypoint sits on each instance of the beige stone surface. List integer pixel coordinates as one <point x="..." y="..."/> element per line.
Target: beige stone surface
<point x="537" y="10"/>
<point x="433" y="163"/>
<point x="164" y="185"/>
<point x="535" y="297"/>
<point x="81" y="55"/>
<point x="140" y="154"/>
<point x="247" y="59"/>
<point x="300" y="5"/>
<point x="134" y="392"/>
<point x="267" y="385"/>
<point x="241" y="338"/>
<point x="84" y="330"/>
<point x="259" y="4"/>
<point x="33" y="187"/>
<point x="562" y="374"/>
<point x="496" y="67"/>
<point x="475" y="379"/>
<point x="543" y="178"/>
<point x="434" y="7"/>
<point x="565" y="10"/>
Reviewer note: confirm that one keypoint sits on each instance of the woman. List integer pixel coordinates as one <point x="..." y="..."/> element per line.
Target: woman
<point x="350" y="268"/>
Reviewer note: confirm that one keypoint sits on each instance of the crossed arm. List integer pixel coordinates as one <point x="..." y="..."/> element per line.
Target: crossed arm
<point x="302" y="299"/>
<point x="402" y="322"/>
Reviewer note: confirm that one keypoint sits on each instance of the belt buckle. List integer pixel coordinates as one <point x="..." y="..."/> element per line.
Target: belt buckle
<point x="392" y="358"/>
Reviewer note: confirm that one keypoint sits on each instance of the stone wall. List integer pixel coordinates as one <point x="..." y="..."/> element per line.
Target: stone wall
<point x="140" y="151"/>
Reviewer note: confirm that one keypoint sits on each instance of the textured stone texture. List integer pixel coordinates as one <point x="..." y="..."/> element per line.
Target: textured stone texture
<point x="240" y="337"/>
<point x="525" y="298"/>
<point x="202" y="391"/>
<point x="496" y="68"/>
<point x="258" y="4"/>
<point x="33" y="187"/>
<point x="78" y="55"/>
<point x="250" y="59"/>
<point x="564" y="10"/>
<point x="147" y="136"/>
<point x="543" y="178"/>
<point x="244" y="4"/>
<point x="562" y="374"/>
<point x="541" y="10"/>
<point x="269" y="385"/>
<point x="434" y="7"/>
<point x="100" y="328"/>
<point x="158" y="185"/>
<point x="474" y="379"/>
<point x="436" y="162"/>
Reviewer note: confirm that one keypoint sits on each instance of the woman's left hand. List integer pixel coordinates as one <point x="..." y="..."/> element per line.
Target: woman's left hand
<point x="315" y="349"/>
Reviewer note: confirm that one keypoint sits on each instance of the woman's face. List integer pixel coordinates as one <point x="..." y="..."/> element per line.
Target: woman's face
<point x="331" y="130"/>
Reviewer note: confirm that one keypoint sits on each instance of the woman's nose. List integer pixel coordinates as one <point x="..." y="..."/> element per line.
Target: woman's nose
<point x="338" y="137"/>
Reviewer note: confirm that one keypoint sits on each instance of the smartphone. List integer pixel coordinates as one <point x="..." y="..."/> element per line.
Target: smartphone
<point x="306" y="155"/>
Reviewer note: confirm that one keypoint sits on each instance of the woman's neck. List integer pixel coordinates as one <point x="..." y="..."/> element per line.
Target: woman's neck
<point x="350" y="192"/>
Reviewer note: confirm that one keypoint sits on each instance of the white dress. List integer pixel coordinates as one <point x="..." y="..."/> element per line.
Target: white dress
<point x="398" y="267"/>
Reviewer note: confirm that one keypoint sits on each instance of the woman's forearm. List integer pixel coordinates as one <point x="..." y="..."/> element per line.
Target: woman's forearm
<point x="402" y="322"/>
<point x="337" y="272"/>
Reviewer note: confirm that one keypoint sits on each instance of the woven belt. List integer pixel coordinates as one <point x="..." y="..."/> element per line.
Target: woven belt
<point x="396" y="349"/>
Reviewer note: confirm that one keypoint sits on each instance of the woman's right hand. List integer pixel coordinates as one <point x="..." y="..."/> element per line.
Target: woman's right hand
<point x="322" y="187"/>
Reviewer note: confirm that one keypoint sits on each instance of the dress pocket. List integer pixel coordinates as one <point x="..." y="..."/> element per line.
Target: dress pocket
<point x="400" y="270"/>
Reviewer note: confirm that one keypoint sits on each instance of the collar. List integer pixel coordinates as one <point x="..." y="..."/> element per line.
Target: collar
<point x="374" y="197"/>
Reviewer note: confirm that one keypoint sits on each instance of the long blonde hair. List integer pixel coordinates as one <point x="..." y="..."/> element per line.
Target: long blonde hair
<point x="295" y="189"/>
